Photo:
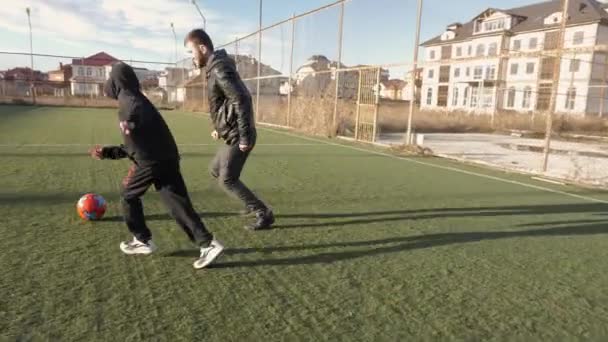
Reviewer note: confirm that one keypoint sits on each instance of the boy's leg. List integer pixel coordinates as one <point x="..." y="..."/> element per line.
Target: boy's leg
<point x="175" y="196"/>
<point x="135" y="185"/>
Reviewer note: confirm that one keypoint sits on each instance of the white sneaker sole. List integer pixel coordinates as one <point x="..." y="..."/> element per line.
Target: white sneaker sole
<point x="142" y="250"/>
<point x="211" y="257"/>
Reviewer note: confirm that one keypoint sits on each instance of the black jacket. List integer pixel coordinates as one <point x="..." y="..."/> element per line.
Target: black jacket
<point x="229" y="101"/>
<point x="150" y="139"/>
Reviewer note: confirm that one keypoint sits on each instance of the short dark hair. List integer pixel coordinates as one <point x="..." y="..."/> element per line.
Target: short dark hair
<point x="200" y="37"/>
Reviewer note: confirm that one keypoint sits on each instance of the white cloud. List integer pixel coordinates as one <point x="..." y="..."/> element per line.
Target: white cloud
<point x="138" y="29"/>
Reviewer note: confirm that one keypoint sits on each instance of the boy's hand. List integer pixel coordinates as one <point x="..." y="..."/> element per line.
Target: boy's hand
<point x="96" y="152"/>
<point x="124" y="127"/>
<point x="215" y="135"/>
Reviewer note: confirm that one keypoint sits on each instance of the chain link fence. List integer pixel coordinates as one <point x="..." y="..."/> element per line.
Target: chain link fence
<point x="486" y="102"/>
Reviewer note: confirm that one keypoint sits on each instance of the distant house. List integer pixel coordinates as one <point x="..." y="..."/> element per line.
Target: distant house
<point x="314" y="77"/>
<point x="406" y="94"/>
<point x="147" y="78"/>
<point x="89" y="74"/>
<point x="17" y="81"/>
<point x="173" y="81"/>
<point x="505" y="59"/>
<point x="392" y="89"/>
<point x="59" y="80"/>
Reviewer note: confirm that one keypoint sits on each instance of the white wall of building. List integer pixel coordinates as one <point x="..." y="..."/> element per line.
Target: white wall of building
<point x="589" y="67"/>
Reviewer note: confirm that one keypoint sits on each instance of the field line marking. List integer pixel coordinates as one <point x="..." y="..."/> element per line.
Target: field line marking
<point x="448" y="168"/>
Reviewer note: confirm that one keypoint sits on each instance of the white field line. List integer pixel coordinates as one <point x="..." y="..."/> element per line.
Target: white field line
<point x="447" y="168"/>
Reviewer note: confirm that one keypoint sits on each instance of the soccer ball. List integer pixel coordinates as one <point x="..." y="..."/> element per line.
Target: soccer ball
<point x="91" y="207"/>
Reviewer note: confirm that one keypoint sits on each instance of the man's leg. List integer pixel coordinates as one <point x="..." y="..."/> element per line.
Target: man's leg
<point x="175" y="196"/>
<point x="135" y="185"/>
<point x="230" y="163"/>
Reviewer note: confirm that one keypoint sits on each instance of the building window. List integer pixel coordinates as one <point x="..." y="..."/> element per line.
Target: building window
<point x="456" y="72"/>
<point x="478" y="73"/>
<point x="514" y="68"/>
<point x="429" y="96"/>
<point x="468" y="72"/>
<point x="517" y="45"/>
<point x="466" y="96"/>
<point x="546" y="68"/>
<point x="570" y="98"/>
<point x="494" y="25"/>
<point x="432" y="54"/>
<point x="455" y="97"/>
<point x="431" y="73"/>
<point x="444" y="74"/>
<point x="487" y="97"/>
<point x="470" y="52"/>
<point x="481" y="50"/>
<point x="575" y="65"/>
<point x="458" y="51"/>
<point x="474" y="96"/>
<point x="579" y="37"/>
<point x="80" y="71"/>
<point x="491" y="72"/>
<point x="89" y="72"/>
<point x="533" y="44"/>
<point x="530" y="68"/>
<point x="527" y="100"/>
<point x="446" y="52"/>
<point x="511" y="97"/>
<point x="493" y="49"/>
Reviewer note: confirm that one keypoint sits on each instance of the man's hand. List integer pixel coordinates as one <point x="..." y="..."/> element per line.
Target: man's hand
<point x="96" y="152"/>
<point x="215" y="135"/>
<point x="124" y="127"/>
<point x="244" y="148"/>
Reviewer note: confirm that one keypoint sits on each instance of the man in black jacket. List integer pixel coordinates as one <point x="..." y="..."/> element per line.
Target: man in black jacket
<point x="232" y="115"/>
<point x="149" y="144"/>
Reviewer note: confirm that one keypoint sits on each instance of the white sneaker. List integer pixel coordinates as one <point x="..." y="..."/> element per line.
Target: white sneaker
<point x="209" y="254"/>
<point x="137" y="247"/>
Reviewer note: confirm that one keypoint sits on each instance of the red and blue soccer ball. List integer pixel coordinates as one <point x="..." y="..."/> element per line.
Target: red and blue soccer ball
<point x="91" y="207"/>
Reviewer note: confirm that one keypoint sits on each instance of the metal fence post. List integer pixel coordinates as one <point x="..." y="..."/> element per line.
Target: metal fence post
<point x="338" y="65"/>
<point x="376" y="104"/>
<point x="358" y="106"/>
<point x="290" y="80"/>
<point x="408" y="135"/>
<point x="556" y="78"/>
<point x="603" y="88"/>
<point x="257" y="96"/>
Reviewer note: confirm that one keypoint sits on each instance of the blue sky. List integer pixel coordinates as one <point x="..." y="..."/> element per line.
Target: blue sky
<point x="375" y="31"/>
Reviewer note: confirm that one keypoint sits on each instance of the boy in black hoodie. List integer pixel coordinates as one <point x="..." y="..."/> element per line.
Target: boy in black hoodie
<point x="149" y="144"/>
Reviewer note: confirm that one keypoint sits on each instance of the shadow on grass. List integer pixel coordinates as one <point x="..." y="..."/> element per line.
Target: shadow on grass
<point x="394" y="245"/>
<point x="358" y="218"/>
<point x="165" y="217"/>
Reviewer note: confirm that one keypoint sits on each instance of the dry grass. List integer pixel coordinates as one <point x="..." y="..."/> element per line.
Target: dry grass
<point x="67" y="101"/>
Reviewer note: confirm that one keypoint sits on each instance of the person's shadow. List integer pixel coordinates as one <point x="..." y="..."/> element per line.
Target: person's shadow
<point x="407" y="243"/>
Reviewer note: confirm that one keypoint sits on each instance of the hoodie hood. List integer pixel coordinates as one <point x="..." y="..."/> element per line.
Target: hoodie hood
<point x="122" y="78"/>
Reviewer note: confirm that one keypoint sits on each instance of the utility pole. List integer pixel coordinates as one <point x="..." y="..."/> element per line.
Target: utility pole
<point x="408" y="135"/>
<point x="32" y="80"/>
<point x="556" y="79"/>
<point x="201" y="14"/>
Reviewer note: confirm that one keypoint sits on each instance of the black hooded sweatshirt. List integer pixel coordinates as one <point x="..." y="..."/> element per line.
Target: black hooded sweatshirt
<point x="150" y="139"/>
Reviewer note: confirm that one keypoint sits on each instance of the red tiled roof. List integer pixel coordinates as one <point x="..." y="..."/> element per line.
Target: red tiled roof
<point x="98" y="59"/>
